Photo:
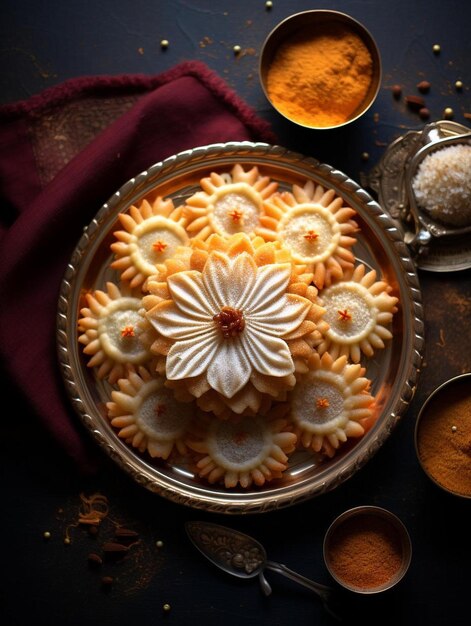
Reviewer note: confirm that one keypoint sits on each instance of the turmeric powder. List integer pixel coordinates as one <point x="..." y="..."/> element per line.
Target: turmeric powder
<point x="320" y="78"/>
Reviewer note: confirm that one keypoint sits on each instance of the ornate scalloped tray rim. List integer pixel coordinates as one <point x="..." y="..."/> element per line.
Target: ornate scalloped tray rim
<point x="168" y="484"/>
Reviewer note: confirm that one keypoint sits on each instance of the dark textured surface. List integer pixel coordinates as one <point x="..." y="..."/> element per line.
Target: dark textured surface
<point x="50" y="583"/>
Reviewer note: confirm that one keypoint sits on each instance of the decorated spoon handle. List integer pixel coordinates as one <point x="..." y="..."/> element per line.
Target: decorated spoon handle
<point x="323" y="591"/>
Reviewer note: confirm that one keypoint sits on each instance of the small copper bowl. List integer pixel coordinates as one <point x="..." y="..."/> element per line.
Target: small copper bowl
<point x="375" y="541"/>
<point x="301" y="24"/>
<point x="435" y="421"/>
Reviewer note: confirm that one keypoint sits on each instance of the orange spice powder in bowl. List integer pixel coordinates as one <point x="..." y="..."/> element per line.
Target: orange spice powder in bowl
<point x="367" y="550"/>
<point x="443" y="436"/>
<point x="320" y="69"/>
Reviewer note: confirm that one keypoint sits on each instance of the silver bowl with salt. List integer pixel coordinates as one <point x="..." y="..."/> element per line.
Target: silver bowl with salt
<point x="424" y="182"/>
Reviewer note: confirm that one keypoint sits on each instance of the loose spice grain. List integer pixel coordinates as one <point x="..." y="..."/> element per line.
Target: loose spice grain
<point x="365" y="551"/>
<point x="320" y="78"/>
<point x="444" y="438"/>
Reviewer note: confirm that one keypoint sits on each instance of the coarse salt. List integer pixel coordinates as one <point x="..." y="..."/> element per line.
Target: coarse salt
<point x="442" y="185"/>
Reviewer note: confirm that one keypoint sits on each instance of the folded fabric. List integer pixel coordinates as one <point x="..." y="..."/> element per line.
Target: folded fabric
<point x="63" y="153"/>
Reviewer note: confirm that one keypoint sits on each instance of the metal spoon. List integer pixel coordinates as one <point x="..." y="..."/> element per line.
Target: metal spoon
<point x="244" y="557"/>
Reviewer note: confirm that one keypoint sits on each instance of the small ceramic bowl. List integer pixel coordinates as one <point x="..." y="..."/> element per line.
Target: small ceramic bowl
<point x="442" y="438"/>
<point x="367" y="550"/>
<point x="300" y="25"/>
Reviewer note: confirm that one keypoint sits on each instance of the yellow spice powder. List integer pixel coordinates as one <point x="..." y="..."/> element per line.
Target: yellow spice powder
<point x="320" y="78"/>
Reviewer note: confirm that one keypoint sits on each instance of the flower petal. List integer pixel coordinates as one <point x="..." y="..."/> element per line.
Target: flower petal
<point x="192" y="357"/>
<point x="268" y="355"/>
<point x="216" y="274"/>
<point x="282" y="317"/>
<point x="169" y="321"/>
<point x="229" y="282"/>
<point x="242" y="281"/>
<point x="230" y="370"/>
<point x="186" y="289"/>
<point x="270" y="284"/>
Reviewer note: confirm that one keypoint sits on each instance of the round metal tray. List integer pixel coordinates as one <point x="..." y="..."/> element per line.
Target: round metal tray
<point x="393" y="371"/>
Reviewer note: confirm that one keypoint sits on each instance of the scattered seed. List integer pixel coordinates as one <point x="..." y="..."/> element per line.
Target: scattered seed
<point x="365" y="156"/>
<point x="46" y="534"/>
<point x="67" y="541"/>
<point x="424" y="86"/>
<point x="397" y="91"/>
<point x="166" y="607"/>
<point x="94" y="560"/>
<point x="436" y="48"/>
<point x="159" y="544"/>
<point x="415" y="102"/>
<point x="126" y="533"/>
<point x="111" y="547"/>
<point x="454" y="429"/>
<point x="107" y="581"/>
<point x="164" y="44"/>
<point x="268" y="4"/>
<point x="448" y="113"/>
<point x="237" y="49"/>
<point x="424" y="113"/>
<point x="459" y="85"/>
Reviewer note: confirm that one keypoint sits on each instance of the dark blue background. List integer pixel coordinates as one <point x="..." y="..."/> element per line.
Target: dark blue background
<point x="43" y="43"/>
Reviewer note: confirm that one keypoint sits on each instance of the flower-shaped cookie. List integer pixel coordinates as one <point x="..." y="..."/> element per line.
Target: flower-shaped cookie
<point x="358" y="311"/>
<point x="241" y="451"/>
<point x="330" y="404"/>
<point x="316" y="227"/>
<point x="151" y="234"/>
<point x="232" y="321"/>
<point x="147" y="414"/>
<point x="228" y="203"/>
<point x="110" y="331"/>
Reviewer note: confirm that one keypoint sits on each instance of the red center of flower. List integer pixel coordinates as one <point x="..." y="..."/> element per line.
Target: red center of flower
<point x="160" y="409"/>
<point x="159" y="246"/>
<point x="127" y="331"/>
<point x="344" y="316"/>
<point x="322" y="403"/>
<point x="240" y="437"/>
<point x="231" y="321"/>
<point x="236" y="215"/>
<point x="311" y="235"/>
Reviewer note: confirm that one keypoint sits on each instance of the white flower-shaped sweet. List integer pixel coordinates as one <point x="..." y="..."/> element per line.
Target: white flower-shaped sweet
<point x="110" y="331"/>
<point x="358" y="313"/>
<point x="229" y="320"/>
<point x="228" y="203"/>
<point x="330" y="404"/>
<point x="147" y="415"/>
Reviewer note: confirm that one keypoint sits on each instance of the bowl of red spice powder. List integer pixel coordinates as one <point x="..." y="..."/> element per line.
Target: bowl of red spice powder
<point x="367" y="550"/>
<point x="443" y="436"/>
<point x="320" y="69"/>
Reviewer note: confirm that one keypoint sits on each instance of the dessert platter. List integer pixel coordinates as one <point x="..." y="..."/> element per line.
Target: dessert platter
<point x="240" y="327"/>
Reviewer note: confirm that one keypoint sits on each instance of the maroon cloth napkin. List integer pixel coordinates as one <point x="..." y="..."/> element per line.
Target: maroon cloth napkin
<point x="63" y="153"/>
